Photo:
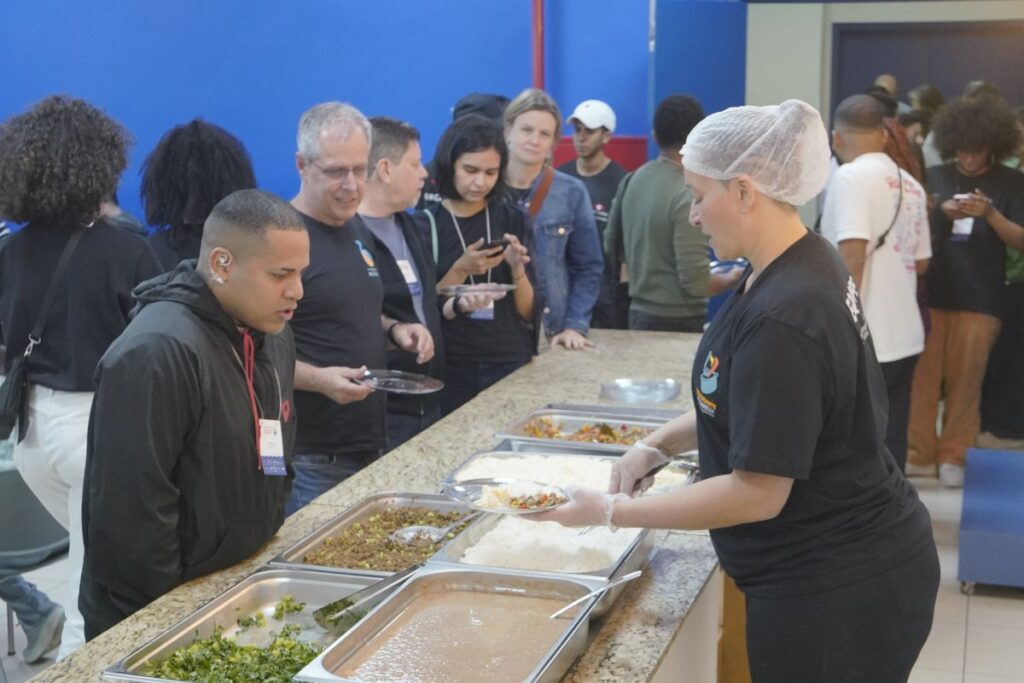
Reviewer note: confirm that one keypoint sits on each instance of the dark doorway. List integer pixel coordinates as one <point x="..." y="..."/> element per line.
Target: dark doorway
<point x="948" y="55"/>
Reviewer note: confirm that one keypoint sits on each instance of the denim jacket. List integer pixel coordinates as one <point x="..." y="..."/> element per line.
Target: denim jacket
<point x="568" y="254"/>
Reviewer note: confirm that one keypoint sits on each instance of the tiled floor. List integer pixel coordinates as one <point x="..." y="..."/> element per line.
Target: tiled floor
<point x="975" y="639"/>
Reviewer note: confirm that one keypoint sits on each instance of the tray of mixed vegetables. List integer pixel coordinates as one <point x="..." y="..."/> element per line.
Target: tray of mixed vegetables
<point x="602" y="427"/>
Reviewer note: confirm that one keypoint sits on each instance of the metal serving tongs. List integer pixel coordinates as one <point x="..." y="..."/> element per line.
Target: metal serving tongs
<point x="341" y="615"/>
<point x="685" y="461"/>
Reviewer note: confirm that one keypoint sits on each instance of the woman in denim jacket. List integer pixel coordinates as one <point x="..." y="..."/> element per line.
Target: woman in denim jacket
<point x="568" y="249"/>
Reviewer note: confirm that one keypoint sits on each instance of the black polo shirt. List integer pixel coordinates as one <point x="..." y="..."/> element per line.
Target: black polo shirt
<point x="337" y="323"/>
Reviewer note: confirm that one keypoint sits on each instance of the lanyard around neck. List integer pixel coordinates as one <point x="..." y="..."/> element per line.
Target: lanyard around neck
<point x="462" y="238"/>
<point x="248" y="366"/>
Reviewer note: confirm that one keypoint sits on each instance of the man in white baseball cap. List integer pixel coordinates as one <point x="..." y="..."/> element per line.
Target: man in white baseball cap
<point x="593" y="123"/>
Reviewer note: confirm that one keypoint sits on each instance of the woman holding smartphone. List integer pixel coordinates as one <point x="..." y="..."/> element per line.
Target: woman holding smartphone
<point x="481" y="240"/>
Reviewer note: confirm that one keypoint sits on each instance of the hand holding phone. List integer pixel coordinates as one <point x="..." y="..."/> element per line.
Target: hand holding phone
<point x="503" y="243"/>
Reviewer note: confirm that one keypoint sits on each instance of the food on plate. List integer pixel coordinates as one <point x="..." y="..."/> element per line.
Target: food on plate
<point x="525" y="496"/>
<point x="599" y="432"/>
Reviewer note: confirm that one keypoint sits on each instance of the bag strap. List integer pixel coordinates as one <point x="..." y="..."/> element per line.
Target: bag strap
<point x="35" y="336"/>
<point x="433" y="233"/>
<point x="899" y="203"/>
<point x="537" y="201"/>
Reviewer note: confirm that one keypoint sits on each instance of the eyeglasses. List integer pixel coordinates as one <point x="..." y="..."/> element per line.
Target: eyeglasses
<point x="341" y="172"/>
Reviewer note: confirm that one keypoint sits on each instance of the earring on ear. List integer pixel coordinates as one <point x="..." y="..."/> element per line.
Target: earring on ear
<point x="223" y="260"/>
<point x="217" y="280"/>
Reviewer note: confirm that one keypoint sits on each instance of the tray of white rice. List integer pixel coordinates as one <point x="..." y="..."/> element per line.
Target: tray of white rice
<point x="548" y="547"/>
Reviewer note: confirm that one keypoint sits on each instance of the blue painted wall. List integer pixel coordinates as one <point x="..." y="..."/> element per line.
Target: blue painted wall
<point x="597" y="49"/>
<point x="253" y="66"/>
<point x="700" y="50"/>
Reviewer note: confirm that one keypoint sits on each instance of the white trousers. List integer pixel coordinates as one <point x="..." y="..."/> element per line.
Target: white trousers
<point x="51" y="460"/>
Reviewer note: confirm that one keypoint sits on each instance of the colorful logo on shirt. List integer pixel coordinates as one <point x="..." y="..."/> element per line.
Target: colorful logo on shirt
<point x="709" y="376"/>
<point x="367" y="255"/>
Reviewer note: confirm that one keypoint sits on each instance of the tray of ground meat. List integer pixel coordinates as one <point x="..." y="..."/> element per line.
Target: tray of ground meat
<point x="358" y="540"/>
<point x="602" y="427"/>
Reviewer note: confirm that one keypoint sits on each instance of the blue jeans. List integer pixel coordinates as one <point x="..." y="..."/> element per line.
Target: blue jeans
<point x="28" y="602"/>
<point x="401" y="427"/>
<point x="466" y="379"/>
<point x="317" y="473"/>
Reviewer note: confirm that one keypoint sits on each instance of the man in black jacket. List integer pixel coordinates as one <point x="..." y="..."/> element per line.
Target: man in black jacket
<point x="407" y="270"/>
<point x="192" y="426"/>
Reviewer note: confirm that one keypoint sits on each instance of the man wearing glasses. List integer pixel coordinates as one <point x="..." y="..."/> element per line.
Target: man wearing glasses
<point x="339" y="329"/>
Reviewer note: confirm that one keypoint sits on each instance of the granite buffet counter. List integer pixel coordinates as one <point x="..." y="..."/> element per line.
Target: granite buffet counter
<point x="640" y="639"/>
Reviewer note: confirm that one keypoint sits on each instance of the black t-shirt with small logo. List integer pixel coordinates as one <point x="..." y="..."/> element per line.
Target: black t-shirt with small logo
<point x="337" y="323"/>
<point x="786" y="383"/>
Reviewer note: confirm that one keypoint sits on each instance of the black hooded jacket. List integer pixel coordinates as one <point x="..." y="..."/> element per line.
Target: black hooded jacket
<point x="172" y="485"/>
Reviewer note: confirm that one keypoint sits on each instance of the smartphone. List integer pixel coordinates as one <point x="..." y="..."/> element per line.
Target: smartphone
<point x="962" y="197"/>
<point x="495" y="244"/>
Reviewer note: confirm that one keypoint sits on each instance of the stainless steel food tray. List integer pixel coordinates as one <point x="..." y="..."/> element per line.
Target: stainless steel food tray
<point x="573" y="416"/>
<point x="292" y="557"/>
<point x="258" y="592"/>
<point x="634" y="557"/>
<point x="549" y="668"/>
<point x="510" y="448"/>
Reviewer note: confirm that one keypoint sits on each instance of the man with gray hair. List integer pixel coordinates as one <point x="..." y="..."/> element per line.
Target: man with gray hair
<point x="340" y="330"/>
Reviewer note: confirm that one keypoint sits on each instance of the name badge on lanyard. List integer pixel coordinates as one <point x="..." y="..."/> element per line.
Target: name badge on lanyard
<point x="409" y="273"/>
<point x="272" y="448"/>
<point x="485" y="313"/>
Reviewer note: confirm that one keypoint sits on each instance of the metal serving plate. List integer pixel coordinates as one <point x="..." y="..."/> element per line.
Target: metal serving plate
<point x="292" y="557"/>
<point x="259" y="592"/>
<point x="573" y="416"/>
<point x="548" y="669"/>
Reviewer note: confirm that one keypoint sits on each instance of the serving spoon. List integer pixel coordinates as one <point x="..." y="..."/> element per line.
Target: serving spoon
<point x="608" y="586"/>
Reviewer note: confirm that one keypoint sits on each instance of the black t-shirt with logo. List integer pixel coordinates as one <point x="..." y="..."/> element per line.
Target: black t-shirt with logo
<point x="507" y="338"/>
<point x="968" y="266"/>
<point x="786" y="383"/>
<point x="337" y="323"/>
<point x="601" y="188"/>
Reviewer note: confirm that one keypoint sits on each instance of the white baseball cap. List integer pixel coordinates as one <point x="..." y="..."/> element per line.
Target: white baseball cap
<point x="594" y="114"/>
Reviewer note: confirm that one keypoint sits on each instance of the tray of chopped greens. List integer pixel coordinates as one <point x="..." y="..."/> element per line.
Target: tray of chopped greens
<point x="262" y="629"/>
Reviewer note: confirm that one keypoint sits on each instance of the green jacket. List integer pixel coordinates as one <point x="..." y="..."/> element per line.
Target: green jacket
<point x="649" y="229"/>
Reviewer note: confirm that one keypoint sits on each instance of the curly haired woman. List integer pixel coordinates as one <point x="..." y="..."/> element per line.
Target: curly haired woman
<point x="57" y="162"/>
<point x="194" y="166"/>
<point x="979" y="213"/>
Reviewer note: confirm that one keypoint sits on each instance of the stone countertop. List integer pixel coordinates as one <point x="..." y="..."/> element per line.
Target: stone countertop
<point x="627" y="643"/>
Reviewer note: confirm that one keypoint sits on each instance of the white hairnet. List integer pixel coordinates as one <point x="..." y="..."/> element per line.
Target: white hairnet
<point x="784" y="149"/>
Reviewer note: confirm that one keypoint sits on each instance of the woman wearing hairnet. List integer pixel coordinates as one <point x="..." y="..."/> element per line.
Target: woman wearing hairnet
<point x="808" y="512"/>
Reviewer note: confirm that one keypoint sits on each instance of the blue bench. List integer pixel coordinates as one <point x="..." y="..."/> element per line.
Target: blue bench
<point x="992" y="521"/>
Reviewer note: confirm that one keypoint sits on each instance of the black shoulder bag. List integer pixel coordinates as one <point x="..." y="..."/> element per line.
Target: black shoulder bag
<point x="14" y="391"/>
<point x="899" y="203"/>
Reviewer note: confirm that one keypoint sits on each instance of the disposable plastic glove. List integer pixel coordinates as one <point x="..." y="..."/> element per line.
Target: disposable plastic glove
<point x="586" y="507"/>
<point x="629" y="473"/>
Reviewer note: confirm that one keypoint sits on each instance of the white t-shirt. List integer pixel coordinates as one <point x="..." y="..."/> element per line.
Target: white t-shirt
<point x="860" y="204"/>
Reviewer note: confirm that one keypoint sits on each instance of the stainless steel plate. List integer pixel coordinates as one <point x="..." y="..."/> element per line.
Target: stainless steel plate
<point x="481" y="288"/>
<point x="259" y="592"/>
<point x="292" y="557"/>
<point x="548" y="668"/>
<point x="643" y="391"/>
<point x="571" y="417"/>
<point x="401" y="382"/>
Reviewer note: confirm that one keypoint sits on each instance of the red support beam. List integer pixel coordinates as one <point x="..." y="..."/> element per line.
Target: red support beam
<point x="538" y="44"/>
